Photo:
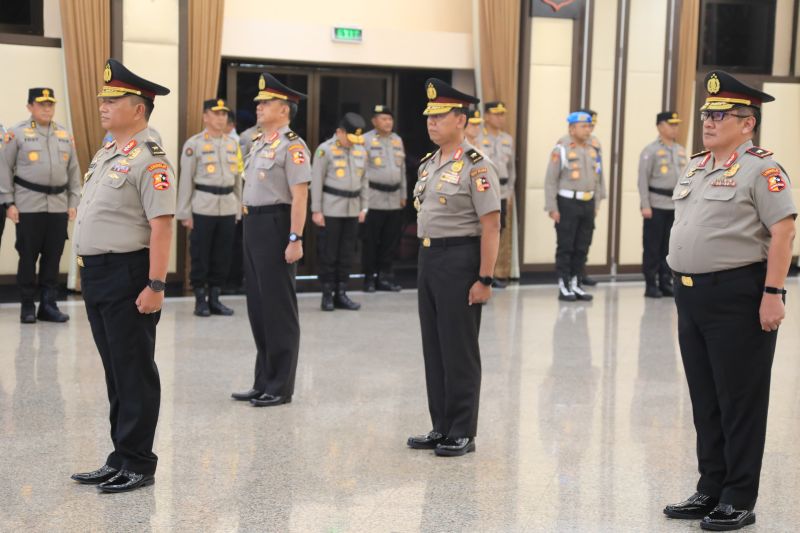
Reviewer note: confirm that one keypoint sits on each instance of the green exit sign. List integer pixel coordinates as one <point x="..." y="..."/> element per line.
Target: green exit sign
<point x="343" y="34"/>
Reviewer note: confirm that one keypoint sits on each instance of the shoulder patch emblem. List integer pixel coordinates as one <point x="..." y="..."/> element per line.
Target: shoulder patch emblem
<point x="475" y="156"/>
<point x="189" y="152"/>
<point x="154" y="148"/>
<point x="291" y="135"/>
<point x="699" y="154"/>
<point x="759" y="152"/>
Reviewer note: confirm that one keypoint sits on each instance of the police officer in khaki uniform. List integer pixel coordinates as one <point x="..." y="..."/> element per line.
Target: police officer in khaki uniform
<point x="277" y="175"/>
<point x="595" y="142"/>
<point x="386" y="174"/>
<point x="457" y="197"/>
<point x="41" y="157"/>
<point x="209" y="204"/>
<point x="660" y="165"/>
<point x="123" y="238"/>
<point x="339" y="201"/>
<point x="573" y="189"/>
<point x="730" y="249"/>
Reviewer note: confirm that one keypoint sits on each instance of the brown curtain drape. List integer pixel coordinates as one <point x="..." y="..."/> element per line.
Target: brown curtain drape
<point x="86" y="29"/>
<point x="499" y="59"/>
<point x="204" y="48"/>
<point x="687" y="64"/>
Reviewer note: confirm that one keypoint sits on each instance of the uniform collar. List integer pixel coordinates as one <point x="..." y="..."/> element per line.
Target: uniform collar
<point x="735" y="155"/>
<point x="458" y="155"/>
<point x="135" y="143"/>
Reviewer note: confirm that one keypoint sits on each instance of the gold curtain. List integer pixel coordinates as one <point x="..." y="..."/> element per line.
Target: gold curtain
<point x="86" y="28"/>
<point x="499" y="23"/>
<point x="204" y="46"/>
<point x="687" y="65"/>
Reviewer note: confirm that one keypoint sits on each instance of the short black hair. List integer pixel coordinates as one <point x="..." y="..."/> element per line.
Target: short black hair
<point x="292" y="110"/>
<point x="149" y="105"/>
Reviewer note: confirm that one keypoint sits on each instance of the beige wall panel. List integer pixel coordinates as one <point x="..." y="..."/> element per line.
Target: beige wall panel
<point x="540" y="235"/>
<point x="397" y="34"/>
<point x="782" y="52"/>
<point x="151" y="21"/>
<point x="33" y="66"/>
<point x="647" y="35"/>
<point x="52" y="19"/>
<point x="797" y="50"/>
<point x="783" y="136"/>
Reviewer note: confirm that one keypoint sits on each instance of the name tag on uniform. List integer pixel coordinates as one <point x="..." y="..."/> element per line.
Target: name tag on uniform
<point x="449" y="177"/>
<point x="122" y="169"/>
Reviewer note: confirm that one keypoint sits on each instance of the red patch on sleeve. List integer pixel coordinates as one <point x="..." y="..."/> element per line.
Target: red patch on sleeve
<point x="160" y="181"/>
<point x="298" y="157"/>
<point x="776" y="184"/>
<point x="482" y="184"/>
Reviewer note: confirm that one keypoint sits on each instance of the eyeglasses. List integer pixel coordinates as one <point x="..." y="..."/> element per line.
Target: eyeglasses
<point x="718" y="116"/>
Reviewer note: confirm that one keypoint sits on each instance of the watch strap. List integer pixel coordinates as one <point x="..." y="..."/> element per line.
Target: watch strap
<point x="774" y="290"/>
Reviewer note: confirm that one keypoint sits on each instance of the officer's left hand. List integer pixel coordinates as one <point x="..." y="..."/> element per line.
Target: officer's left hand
<point x="772" y="312"/>
<point x="362" y="216"/>
<point x="72" y="213"/>
<point x="403" y="202"/>
<point x="149" y="301"/>
<point x="479" y="293"/>
<point x="294" y="252"/>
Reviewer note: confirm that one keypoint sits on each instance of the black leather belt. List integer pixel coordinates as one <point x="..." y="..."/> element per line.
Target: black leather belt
<point x="448" y="241"/>
<point x="340" y="192"/>
<point x="265" y="209"/>
<point x="503" y="181"/>
<point x="44" y="189"/>
<point x="383" y="187"/>
<point x="662" y="192"/>
<point x="690" y="280"/>
<point x="111" y="258"/>
<point x="221" y="191"/>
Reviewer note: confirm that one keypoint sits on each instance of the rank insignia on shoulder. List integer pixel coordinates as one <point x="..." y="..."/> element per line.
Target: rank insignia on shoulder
<point x="759" y="152"/>
<point x="699" y="154"/>
<point x="256" y="136"/>
<point x="427" y="157"/>
<point x="291" y="135"/>
<point x="475" y="156"/>
<point x="154" y="148"/>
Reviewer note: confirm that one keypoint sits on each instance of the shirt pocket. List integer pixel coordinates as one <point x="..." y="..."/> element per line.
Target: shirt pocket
<point x="718" y="207"/>
<point x="262" y="166"/>
<point x="110" y="192"/>
<point x="31" y="154"/>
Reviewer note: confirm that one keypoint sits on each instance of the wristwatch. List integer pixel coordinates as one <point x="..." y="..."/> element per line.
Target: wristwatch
<point x="156" y="285"/>
<point x="774" y="290"/>
<point x="294" y="237"/>
<point x="486" y="280"/>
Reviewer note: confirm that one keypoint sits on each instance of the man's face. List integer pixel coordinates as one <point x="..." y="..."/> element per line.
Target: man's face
<point x="384" y="123"/>
<point x="735" y="127"/>
<point x="215" y="121"/>
<point x="269" y="111"/>
<point x="446" y="127"/>
<point x="119" y="113"/>
<point x="581" y="131"/>
<point x="668" y="131"/>
<point x="341" y="135"/>
<point x="472" y="130"/>
<point x="495" y="120"/>
<point x="42" y="112"/>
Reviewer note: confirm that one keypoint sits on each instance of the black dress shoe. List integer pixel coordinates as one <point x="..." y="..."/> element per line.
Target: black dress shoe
<point x="725" y="518"/>
<point x="125" y="481"/>
<point x="589" y="282"/>
<point x="246" y="396"/>
<point x="666" y="290"/>
<point x="651" y="291"/>
<point x="102" y="474"/>
<point x="694" y="507"/>
<point x="27" y="313"/>
<point x="385" y="285"/>
<point x="369" y="284"/>
<point x="428" y="441"/>
<point x="268" y="400"/>
<point x="455" y="447"/>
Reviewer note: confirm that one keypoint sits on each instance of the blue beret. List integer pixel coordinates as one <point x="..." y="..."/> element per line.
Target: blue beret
<point x="579" y="116"/>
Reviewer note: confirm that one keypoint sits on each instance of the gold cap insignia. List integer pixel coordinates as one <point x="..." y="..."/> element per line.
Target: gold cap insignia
<point x="358" y="131"/>
<point x="713" y="84"/>
<point x="107" y="73"/>
<point x="379" y="109"/>
<point x="220" y="103"/>
<point x="431" y="92"/>
<point x="262" y="83"/>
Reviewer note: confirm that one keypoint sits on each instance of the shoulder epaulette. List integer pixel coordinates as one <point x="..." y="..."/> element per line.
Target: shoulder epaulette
<point x="427" y="156"/>
<point x="291" y="135"/>
<point x="759" y="152"/>
<point x="699" y="154"/>
<point x="475" y="156"/>
<point x="154" y="148"/>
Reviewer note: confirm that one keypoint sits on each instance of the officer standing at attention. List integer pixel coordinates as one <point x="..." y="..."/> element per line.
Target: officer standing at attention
<point x="730" y="249"/>
<point x="209" y="204"/>
<point x="660" y="165"/>
<point x="595" y="142"/>
<point x="499" y="147"/>
<point x="123" y="238"/>
<point x="47" y="182"/>
<point x="386" y="174"/>
<point x="339" y="200"/>
<point x="457" y="197"/>
<point x="275" y="207"/>
<point x="573" y="189"/>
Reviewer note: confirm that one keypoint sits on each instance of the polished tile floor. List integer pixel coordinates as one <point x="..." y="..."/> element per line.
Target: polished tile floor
<point x="585" y="424"/>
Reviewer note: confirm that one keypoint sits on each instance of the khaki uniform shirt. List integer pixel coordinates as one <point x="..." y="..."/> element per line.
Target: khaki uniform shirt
<point x="125" y="187"/>
<point x="276" y="164"/>
<point x="6" y="185"/>
<point x="246" y="139"/>
<point x="44" y="156"/>
<point x="207" y="160"/>
<point x="574" y="168"/>
<point x="660" y="166"/>
<point x="450" y="196"/>
<point x="500" y="149"/>
<point x="340" y="168"/>
<point x="723" y="214"/>
<point x="386" y="165"/>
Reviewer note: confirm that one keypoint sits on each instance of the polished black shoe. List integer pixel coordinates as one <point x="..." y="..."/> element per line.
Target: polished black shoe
<point x="455" y="447"/>
<point x="215" y="306"/>
<point x="369" y="284"/>
<point x="385" y="285"/>
<point x="725" y="518"/>
<point x="499" y="284"/>
<point x="101" y="475"/>
<point x="246" y="396"/>
<point x="201" y="302"/>
<point x="589" y="282"/>
<point x="694" y="507"/>
<point x="429" y="441"/>
<point x="48" y="310"/>
<point x="125" y="481"/>
<point x="342" y="301"/>
<point x="327" y="297"/>
<point x="27" y="313"/>
<point x="651" y="291"/>
<point x="666" y="290"/>
<point x="268" y="400"/>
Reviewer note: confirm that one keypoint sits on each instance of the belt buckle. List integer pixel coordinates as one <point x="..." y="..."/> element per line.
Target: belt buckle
<point x="687" y="281"/>
<point x="79" y="259"/>
<point x="426" y="242"/>
<point x="244" y="209"/>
